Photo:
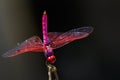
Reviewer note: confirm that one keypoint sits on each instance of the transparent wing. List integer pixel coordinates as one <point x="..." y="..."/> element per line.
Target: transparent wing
<point x="53" y="35"/>
<point x="70" y="36"/>
<point x="33" y="44"/>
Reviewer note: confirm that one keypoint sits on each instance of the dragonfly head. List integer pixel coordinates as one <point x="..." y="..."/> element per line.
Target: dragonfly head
<point x="51" y="59"/>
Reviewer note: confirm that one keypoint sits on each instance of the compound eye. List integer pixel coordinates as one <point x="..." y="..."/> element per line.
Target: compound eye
<point x="51" y="59"/>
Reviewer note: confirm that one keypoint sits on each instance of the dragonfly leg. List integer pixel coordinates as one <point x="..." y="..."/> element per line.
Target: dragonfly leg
<point x="52" y="72"/>
<point x="49" y="72"/>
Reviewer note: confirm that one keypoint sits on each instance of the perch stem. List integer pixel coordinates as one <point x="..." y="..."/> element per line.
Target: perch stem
<point x="52" y="72"/>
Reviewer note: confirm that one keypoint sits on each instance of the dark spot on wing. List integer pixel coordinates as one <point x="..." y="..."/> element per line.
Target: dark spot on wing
<point x="18" y="50"/>
<point x="36" y="39"/>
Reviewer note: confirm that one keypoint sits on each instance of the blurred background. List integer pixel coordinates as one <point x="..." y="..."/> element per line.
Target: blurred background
<point x="96" y="57"/>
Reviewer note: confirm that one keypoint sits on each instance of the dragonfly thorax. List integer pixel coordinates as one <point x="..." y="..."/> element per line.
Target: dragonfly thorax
<point x="48" y="51"/>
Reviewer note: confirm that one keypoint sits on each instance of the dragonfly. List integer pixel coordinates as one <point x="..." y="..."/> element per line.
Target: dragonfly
<point x="51" y="41"/>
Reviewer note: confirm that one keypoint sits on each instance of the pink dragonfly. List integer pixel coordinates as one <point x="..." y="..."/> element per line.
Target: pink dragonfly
<point x="51" y="41"/>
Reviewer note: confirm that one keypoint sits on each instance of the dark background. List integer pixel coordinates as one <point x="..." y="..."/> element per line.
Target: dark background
<point x="96" y="57"/>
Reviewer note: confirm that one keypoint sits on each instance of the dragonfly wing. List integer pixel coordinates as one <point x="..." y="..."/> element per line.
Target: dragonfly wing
<point x="53" y="35"/>
<point x="70" y="36"/>
<point x="33" y="44"/>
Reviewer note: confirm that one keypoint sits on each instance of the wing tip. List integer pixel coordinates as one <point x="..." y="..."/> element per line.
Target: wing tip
<point x="91" y="29"/>
<point x="4" y="55"/>
<point x="87" y="29"/>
